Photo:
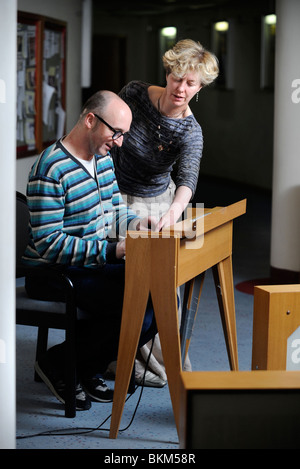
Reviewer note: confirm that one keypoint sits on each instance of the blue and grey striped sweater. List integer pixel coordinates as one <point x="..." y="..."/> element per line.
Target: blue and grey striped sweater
<point x="71" y="216"/>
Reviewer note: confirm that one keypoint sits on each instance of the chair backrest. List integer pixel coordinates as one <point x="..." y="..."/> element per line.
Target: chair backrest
<point x="22" y="233"/>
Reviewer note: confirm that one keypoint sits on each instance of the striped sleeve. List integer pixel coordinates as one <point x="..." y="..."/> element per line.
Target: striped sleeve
<point x="68" y="224"/>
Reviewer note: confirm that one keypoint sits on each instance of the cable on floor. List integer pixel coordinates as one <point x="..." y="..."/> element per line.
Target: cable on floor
<point x="86" y="430"/>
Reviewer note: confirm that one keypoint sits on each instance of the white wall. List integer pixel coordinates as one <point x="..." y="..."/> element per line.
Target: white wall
<point x="70" y="12"/>
<point x="7" y="201"/>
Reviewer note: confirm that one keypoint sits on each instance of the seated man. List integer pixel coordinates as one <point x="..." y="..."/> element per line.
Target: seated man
<point x="76" y="215"/>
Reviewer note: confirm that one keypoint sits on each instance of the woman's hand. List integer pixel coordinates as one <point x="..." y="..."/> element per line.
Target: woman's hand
<point x="179" y="204"/>
<point x="147" y="224"/>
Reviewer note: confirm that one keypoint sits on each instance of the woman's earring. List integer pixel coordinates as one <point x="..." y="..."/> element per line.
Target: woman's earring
<point x="197" y="97"/>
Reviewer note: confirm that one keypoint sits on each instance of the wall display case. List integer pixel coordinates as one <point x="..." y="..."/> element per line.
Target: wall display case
<point x="41" y="55"/>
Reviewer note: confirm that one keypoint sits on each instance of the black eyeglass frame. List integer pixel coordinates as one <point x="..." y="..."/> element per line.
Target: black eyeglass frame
<point x="116" y="133"/>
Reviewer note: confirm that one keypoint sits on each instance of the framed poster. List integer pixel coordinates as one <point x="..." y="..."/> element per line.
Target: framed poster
<point x="41" y="52"/>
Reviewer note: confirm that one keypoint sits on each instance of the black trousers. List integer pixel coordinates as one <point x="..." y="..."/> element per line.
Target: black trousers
<point x="99" y="292"/>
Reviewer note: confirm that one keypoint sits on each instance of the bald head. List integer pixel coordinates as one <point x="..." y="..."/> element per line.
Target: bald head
<point x="104" y="102"/>
<point x="108" y="107"/>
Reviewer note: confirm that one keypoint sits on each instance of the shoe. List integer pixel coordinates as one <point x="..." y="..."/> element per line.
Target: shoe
<point x="151" y="380"/>
<point x="83" y="401"/>
<point x="97" y="389"/>
<point x="58" y="387"/>
<point x="111" y="374"/>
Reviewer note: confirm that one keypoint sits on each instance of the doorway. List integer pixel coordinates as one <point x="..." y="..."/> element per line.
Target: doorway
<point x="108" y="65"/>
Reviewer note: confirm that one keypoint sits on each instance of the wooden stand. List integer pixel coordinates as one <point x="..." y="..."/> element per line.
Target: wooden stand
<point x="158" y="263"/>
<point x="276" y="315"/>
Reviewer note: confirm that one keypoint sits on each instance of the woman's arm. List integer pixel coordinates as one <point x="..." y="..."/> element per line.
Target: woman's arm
<point x="182" y="197"/>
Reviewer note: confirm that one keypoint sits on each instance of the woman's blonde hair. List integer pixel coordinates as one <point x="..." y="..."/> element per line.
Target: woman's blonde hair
<point x="190" y="56"/>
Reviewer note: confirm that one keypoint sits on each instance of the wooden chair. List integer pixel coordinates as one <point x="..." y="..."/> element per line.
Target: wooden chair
<point x="46" y="314"/>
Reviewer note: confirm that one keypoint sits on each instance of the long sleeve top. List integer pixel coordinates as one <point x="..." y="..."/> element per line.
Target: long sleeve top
<point x="154" y="145"/>
<point x="72" y="214"/>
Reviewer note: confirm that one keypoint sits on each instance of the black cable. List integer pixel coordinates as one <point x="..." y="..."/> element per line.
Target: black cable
<point x="86" y="430"/>
<point x="143" y="384"/>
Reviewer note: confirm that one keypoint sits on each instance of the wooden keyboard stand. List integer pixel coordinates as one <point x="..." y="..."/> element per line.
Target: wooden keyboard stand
<point x="158" y="263"/>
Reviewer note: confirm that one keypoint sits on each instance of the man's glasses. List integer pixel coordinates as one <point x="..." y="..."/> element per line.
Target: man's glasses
<point x="116" y="133"/>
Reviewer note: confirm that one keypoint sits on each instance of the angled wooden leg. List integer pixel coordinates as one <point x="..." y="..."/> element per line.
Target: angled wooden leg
<point x="164" y="297"/>
<point x="223" y="277"/>
<point x="192" y="294"/>
<point x="135" y="301"/>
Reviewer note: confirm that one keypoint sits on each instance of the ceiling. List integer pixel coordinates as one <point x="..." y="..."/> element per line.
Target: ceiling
<point x="156" y="7"/>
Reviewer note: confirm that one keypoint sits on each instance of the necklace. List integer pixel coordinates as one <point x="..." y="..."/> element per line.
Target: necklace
<point x="160" y="146"/>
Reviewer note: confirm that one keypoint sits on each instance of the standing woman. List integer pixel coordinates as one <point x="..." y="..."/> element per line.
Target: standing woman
<point x="164" y="132"/>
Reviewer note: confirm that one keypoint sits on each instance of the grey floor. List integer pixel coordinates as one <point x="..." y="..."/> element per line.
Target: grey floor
<point x="153" y="426"/>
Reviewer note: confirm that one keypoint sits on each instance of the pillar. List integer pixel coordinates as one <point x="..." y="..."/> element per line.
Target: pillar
<point x="285" y="229"/>
<point x="8" y="87"/>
